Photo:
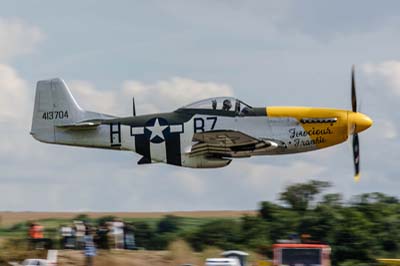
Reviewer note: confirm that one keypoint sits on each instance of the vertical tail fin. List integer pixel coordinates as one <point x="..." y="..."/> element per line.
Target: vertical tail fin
<point x="54" y="106"/>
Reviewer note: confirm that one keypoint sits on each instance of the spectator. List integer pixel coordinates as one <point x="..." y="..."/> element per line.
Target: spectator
<point x="102" y="237"/>
<point x="36" y="235"/>
<point x="80" y="231"/>
<point x="90" y="248"/>
<point x="67" y="237"/>
<point x="118" y="233"/>
<point x="129" y="236"/>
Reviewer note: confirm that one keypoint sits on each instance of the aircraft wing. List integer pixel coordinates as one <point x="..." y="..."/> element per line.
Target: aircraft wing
<point x="229" y="143"/>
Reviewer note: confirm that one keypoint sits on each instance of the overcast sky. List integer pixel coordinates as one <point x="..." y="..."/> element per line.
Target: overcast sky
<point x="170" y="53"/>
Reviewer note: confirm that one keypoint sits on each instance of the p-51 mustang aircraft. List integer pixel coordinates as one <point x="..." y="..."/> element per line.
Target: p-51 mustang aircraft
<point x="205" y="134"/>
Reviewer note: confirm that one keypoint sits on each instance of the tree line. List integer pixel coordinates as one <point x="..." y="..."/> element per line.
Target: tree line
<point x="359" y="230"/>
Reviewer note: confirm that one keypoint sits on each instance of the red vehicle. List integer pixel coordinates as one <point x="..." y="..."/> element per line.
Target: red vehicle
<point x="301" y="254"/>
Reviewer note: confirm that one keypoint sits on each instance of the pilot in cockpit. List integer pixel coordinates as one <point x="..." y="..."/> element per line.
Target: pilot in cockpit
<point x="226" y="105"/>
<point x="214" y="104"/>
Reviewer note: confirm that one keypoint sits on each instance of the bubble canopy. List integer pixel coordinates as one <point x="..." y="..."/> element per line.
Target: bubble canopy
<point x="227" y="104"/>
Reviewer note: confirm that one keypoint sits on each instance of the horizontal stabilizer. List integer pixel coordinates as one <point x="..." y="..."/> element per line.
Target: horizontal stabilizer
<point x="81" y="125"/>
<point x="85" y="124"/>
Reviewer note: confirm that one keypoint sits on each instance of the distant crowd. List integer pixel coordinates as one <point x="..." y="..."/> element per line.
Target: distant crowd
<point x="114" y="234"/>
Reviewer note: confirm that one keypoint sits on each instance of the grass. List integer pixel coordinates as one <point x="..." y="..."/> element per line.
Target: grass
<point x="17" y="250"/>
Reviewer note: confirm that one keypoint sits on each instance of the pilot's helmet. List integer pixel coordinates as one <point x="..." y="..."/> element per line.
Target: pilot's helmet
<point x="226" y="105"/>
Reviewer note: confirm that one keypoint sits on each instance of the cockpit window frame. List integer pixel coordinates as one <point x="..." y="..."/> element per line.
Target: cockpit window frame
<point x="236" y="106"/>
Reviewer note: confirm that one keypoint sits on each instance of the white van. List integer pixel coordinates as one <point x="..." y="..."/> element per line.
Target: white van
<point x="222" y="262"/>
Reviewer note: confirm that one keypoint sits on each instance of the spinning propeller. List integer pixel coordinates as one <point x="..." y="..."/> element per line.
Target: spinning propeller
<point x="357" y="122"/>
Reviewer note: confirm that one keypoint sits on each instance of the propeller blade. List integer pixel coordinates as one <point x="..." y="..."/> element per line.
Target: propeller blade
<point x="353" y="91"/>
<point x="356" y="157"/>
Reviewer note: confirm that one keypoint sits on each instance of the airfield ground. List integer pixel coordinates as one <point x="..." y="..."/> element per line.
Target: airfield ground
<point x="136" y="258"/>
<point x="13" y="226"/>
<point x="179" y="253"/>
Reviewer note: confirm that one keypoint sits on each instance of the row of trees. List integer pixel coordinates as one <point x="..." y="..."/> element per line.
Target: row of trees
<point x="365" y="228"/>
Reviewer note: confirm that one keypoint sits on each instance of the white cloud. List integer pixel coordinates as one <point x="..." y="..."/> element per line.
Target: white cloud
<point x="88" y="97"/>
<point x="16" y="106"/>
<point x="387" y="129"/>
<point x="262" y="175"/>
<point x="161" y="96"/>
<point x="17" y="38"/>
<point x="16" y="100"/>
<point x="389" y="71"/>
<point x="13" y="96"/>
<point x="264" y="179"/>
<point x="173" y="93"/>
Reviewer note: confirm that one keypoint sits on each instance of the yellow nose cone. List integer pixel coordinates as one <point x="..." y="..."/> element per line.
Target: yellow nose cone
<point x="359" y="122"/>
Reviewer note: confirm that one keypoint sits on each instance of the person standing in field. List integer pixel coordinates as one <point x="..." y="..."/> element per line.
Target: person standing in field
<point x="118" y="233"/>
<point x="35" y="235"/>
<point x="80" y="230"/>
<point x="90" y="248"/>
